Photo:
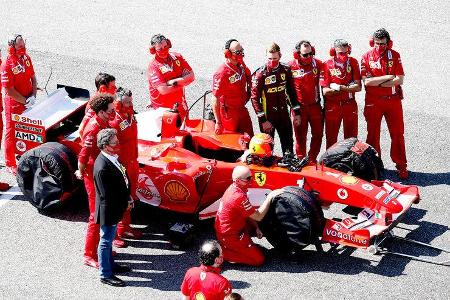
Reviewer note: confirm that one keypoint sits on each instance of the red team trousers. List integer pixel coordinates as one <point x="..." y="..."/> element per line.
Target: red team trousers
<point x="93" y="229"/>
<point x="309" y="115"/>
<point x="339" y="111"/>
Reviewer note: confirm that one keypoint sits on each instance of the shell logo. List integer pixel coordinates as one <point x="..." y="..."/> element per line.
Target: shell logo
<point x="199" y="296"/>
<point x="350" y="180"/>
<point x="176" y="191"/>
<point x="16" y="118"/>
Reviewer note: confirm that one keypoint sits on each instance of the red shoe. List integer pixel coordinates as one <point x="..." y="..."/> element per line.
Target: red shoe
<point x="91" y="262"/>
<point x="403" y="174"/>
<point x="4" y="186"/>
<point x="131" y="233"/>
<point x="118" y="243"/>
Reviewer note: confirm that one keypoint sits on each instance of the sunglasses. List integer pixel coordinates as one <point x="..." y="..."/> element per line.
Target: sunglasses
<point x="306" y="54"/>
<point x="238" y="52"/>
<point x="248" y="178"/>
<point x="380" y="44"/>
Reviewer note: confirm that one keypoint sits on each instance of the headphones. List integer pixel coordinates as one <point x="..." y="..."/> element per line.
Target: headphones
<point x="227" y="52"/>
<point x="156" y="39"/>
<point x="389" y="44"/>
<point x="333" y="51"/>
<point x="12" y="43"/>
<point x="102" y="89"/>
<point x="296" y="52"/>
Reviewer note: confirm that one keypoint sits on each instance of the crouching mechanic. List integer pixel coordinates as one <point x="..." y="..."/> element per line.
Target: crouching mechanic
<point x="231" y="91"/>
<point x="205" y="282"/>
<point x="168" y="73"/>
<point x="272" y="92"/>
<point x="341" y="79"/>
<point x="102" y="105"/>
<point x="125" y="124"/>
<point x="19" y="81"/>
<point x="382" y="73"/>
<point x="236" y="220"/>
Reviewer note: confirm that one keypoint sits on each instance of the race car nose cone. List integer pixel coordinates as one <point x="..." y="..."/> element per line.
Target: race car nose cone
<point x="394" y="206"/>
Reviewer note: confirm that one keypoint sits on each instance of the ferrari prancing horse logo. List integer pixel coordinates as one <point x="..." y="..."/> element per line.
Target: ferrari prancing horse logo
<point x="260" y="178"/>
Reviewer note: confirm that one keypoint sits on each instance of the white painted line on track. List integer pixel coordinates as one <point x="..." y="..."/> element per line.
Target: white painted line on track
<point x="6" y="196"/>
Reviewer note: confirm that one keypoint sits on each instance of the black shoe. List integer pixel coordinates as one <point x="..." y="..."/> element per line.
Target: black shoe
<point x="114" y="281"/>
<point x="121" y="268"/>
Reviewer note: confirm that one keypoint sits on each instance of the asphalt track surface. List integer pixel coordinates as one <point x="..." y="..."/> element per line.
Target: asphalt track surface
<point x="41" y="255"/>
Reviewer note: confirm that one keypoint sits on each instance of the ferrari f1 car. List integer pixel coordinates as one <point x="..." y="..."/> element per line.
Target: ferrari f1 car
<point x="185" y="167"/>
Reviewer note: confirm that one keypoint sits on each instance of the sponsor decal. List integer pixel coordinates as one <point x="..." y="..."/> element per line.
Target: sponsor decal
<point x="350" y="180"/>
<point x="164" y="69"/>
<point x="349" y="68"/>
<point x="367" y="186"/>
<point x="234" y="78"/>
<point x="176" y="191"/>
<point x="380" y="194"/>
<point x="342" y="193"/>
<point x="21" y="146"/>
<point x="335" y="72"/>
<point x="348" y="222"/>
<point x="367" y="213"/>
<point x="177" y="62"/>
<point x="199" y="295"/>
<point x="124" y="124"/>
<point x="18" y="69"/>
<point x="271" y="79"/>
<point x="315" y="71"/>
<point x="390" y="63"/>
<point x="29" y="136"/>
<point x="27" y="62"/>
<point x="298" y="73"/>
<point x="28" y="128"/>
<point x="374" y="64"/>
<point x="335" y="175"/>
<point x="389" y="198"/>
<point x="337" y="226"/>
<point x="276" y="89"/>
<point x="260" y="178"/>
<point x="146" y="190"/>
<point x="346" y="236"/>
<point x="283" y="76"/>
<point x="378" y="215"/>
<point x="26" y="120"/>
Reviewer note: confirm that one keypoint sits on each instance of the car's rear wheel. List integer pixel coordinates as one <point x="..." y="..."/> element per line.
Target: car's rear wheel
<point x="294" y="220"/>
<point x="354" y="157"/>
<point x="45" y="175"/>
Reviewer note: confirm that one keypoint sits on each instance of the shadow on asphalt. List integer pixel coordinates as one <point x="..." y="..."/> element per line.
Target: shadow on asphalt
<point x="421" y="178"/>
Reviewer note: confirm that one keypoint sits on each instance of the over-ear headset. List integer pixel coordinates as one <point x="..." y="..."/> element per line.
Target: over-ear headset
<point x="156" y="39"/>
<point x="296" y="52"/>
<point x="390" y="43"/>
<point x="333" y="50"/>
<point x="227" y="52"/>
<point x="12" y="43"/>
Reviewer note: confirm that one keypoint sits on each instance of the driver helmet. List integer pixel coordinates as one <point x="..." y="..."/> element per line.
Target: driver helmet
<point x="261" y="145"/>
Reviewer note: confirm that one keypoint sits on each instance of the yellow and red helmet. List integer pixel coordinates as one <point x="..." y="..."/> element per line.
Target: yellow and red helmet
<point x="261" y="145"/>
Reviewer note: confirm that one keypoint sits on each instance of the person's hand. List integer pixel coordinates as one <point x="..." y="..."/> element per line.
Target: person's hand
<point x="30" y="101"/>
<point x="296" y="121"/>
<point x="259" y="233"/>
<point x="172" y="82"/>
<point x="267" y="127"/>
<point x="79" y="175"/>
<point x="130" y="204"/>
<point x="218" y="128"/>
<point x="335" y="86"/>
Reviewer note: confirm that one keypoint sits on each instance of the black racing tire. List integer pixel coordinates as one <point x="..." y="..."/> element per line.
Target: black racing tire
<point x="46" y="173"/>
<point x="294" y="220"/>
<point x="354" y="157"/>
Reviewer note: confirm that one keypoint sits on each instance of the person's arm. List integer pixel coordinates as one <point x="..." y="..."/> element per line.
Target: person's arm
<point x="216" y="112"/>
<point x="261" y="212"/>
<point x="377" y="81"/>
<point x="352" y="87"/>
<point x="255" y="97"/>
<point x="397" y="80"/>
<point x="293" y="101"/>
<point x="13" y="93"/>
<point x="34" y="84"/>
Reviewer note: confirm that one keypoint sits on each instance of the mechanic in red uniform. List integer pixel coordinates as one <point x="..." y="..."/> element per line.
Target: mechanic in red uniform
<point x="105" y="83"/>
<point x="168" y="73"/>
<point x="382" y="73"/>
<point x="102" y="105"/>
<point x="231" y="91"/>
<point x="3" y="185"/>
<point x="341" y="79"/>
<point x="205" y="281"/>
<point x="236" y="219"/>
<point x="272" y="92"/>
<point x="125" y="124"/>
<point x="19" y="82"/>
<point x="306" y="71"/>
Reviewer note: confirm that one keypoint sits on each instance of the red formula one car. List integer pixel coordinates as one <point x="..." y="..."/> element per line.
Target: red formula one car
<point x="187" y="167"/>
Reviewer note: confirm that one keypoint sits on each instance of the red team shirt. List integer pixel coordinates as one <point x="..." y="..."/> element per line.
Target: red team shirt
<point x="90" y="150"/>
<point x="159" y="72"/>
<point x="205" y="283"/>
<point x="306" y="80"/>
<point x="233" y="211"/>
<point x="340" y="73"/>
<point x="374" y="65"/>
<point x="230" y="85"/>
<point x="17" y="73"/>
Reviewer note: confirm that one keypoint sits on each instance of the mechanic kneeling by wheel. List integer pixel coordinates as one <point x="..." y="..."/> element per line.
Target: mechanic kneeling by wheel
<point x="237" y="219"/>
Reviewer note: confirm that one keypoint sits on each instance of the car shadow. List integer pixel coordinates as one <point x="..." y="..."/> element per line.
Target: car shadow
<point x="420" y="178"/>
